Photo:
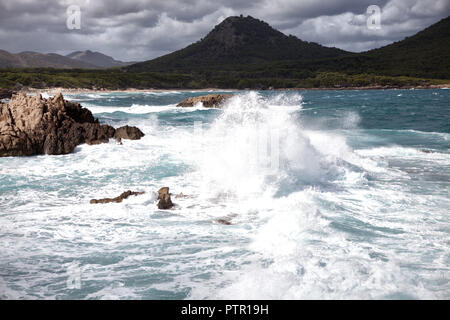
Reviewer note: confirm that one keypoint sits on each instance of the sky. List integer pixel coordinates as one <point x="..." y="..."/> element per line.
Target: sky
<point x="137" y="30"/>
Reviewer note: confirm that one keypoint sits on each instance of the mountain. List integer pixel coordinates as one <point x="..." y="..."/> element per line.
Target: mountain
<point x="79" y="59"/>
<point x="255" y="49"/>
<point x="238" y="41"/>
<point x="426" y="53"/>
<point x="30" y="59"/>
<point x="98" y="59"/>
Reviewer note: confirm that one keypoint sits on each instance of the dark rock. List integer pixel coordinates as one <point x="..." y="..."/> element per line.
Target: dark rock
<point x="6" y="94"/>
<point x="97" y="134"/>
<point x="118" y="199"/>
<point x="164" y="198"/>
<point x="33" y="125"/>
<point x="208" y="101"/>
<point x="127" y="132"/>
<point x="225" y="222"/>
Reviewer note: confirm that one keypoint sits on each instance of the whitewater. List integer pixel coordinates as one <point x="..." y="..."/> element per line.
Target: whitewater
<point x="329" y="195"/>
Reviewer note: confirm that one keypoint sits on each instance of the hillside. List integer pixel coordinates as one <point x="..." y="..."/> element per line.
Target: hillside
<point x="256" y="50"/>
<point x="30" y="59"/>
<point x="426" y="53"/>
<point x="97" y="59"/>
<point x="238" y="41"/>
<point x="78" y="59"/>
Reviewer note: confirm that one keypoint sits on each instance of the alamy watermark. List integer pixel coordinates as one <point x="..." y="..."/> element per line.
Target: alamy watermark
<point x="73" y="12"/>
<point x="74" y="276"/>
<point x="260" y="149"/>
<point x="73" y="17"/>
<point x="374" y="20"/>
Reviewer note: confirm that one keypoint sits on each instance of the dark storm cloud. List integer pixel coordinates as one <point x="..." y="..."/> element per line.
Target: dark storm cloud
<point x="139" y="30"/>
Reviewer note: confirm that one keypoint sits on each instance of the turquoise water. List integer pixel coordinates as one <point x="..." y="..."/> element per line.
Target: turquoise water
<point x="331" y="195"/>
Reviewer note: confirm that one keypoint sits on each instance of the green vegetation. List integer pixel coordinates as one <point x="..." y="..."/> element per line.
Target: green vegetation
<point x="116" y="79"/>
<point x="247" y="53"/>
<point x="82" y="78"/>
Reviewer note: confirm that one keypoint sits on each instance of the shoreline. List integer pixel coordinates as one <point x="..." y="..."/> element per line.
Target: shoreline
<point x="431" y="86"/>
<point x="54" y="90"/>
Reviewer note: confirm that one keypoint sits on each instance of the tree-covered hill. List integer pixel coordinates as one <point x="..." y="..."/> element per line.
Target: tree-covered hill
<point x="237" y="42"/>
<point x="250" y="45"/>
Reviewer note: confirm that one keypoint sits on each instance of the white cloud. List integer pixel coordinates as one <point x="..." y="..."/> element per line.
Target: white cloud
<point x="349" y="30"/>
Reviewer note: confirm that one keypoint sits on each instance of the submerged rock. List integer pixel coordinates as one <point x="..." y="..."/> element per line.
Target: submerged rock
<point x="164" y="198"/>
<point x="118" y="199"/>
<point x="180" y="195"/>
<point x="33" y="125"/>
<point x="208" y="101"/>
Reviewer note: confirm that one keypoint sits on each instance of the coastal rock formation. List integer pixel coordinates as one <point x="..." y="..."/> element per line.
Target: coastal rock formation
<point x="223" y="221"/>
<point x="33" y="125"/>
<point x="164" y="198"/>
<point x="6" y="94"/>
<point x="118" y="199"/>
<point x="127" y="132"/>
<point x="208" y="101"/>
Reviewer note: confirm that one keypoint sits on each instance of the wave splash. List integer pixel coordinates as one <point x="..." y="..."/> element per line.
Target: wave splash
<point x="302" y="188"/>
<point x="259" y="146"/>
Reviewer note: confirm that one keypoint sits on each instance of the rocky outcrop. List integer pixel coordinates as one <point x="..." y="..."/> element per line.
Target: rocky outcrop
<point x="33" y="125"/>
<point x="180" y="195"/>
<point x="118" y="199"/>
<point x="6" y="94"/>
<point x="208" y="101"/>
<point x="164" y="198"/>
<point x="224" y="222"/>
<point x="127" y="132"/>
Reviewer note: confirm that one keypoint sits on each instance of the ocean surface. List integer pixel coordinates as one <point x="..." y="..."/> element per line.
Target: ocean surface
<point x="330" y="195"/>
